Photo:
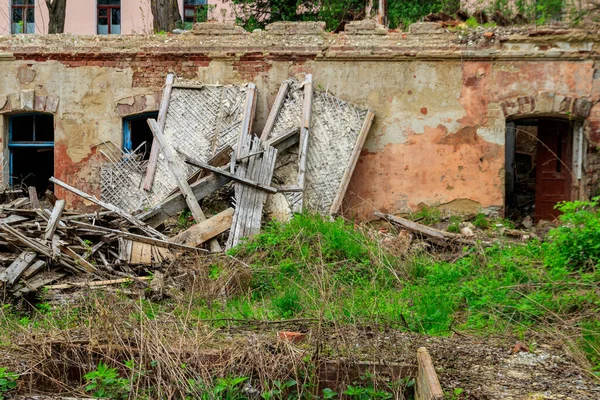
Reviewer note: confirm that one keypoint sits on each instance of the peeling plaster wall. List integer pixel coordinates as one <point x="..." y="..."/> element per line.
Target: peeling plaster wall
<point x="438" y="135"/>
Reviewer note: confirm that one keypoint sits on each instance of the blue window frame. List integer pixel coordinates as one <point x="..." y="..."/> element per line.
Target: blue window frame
<point x="136" y="133"/>
<point x="31" y="144"/>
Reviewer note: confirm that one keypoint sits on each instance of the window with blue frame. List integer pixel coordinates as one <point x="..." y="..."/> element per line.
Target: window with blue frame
<point x="31" y="146"/>
<point x="137" y="136"/>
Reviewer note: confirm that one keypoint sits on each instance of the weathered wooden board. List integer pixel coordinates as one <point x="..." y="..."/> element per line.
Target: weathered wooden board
<point x="427" y="385"/>
<point x="205" y="230"/>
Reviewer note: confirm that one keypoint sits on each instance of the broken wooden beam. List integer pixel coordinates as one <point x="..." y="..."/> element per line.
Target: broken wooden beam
<point x="284" y="141"/>
<point x="16" y="269"/>
<point x="304" y="137"/>
<point x="277" y="104"/>
<point x="162" y="120"/>
<point x="205" y="230"/>
<point x="360" y="141"/>
<point x="130" y="218"/>
<point x="434" y="235"/>
<point x="427" y="385"/>
<point x="97" y="283"/>
<point x="233" y="177"/>
<point x="173" y="204"/>
<point x="180" y="177"/>
<point x="54" y="219"/>
<point x="33" y="197"/>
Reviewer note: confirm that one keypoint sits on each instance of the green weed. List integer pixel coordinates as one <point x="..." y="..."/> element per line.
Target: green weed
<point x="481" y="221"/>
<point x="106" y="382"/>
<point x="8" y="381"/>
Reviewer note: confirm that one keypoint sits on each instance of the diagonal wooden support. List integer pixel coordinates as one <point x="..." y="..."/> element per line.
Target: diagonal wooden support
<point x="178" y="173"/>
<point x="304" y="135"/>
<point x="162" y="120"/>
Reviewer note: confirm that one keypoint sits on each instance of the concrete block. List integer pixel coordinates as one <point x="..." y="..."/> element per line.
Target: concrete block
<point x="425" y="28"/>
<point x="51" y="104"/>
<point x="27" y="98"/>
<point x="582" y="108"/>
<point x="296" y="28"/>
<point x="365" y="27"/>
<point x="39" y="103"/>
<point x="545" y="102"/>
<point x="217" y="28"/>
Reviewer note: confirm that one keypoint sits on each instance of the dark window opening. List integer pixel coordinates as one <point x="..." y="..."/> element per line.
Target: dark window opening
<point x="23" y="16"/>
<point x="538" y="167"/>
<point x="31" y="146"/>
<point x="109" y="17"/>
<point x="194" y="11"/>
<point x="137" y="136"/>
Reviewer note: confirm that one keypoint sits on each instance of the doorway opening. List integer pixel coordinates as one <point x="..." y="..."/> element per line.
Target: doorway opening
<point x="137" y="136"/>
<point x="539" y="166"/>
<point x="31" y="147"/>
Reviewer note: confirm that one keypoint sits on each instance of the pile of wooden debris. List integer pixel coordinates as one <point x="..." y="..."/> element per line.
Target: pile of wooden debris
<point x="203" y="141"/>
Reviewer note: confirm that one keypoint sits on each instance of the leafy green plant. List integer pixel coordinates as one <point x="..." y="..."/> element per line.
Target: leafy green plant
<point x="278" y="389"/>
<point x="454" y="395"/>
<point x="428" y="215"/>
<point x="8" y="381"/>
<point x="185" y="219"/>
<point x="229" y="388"/>
<point x="454" y="226"/>
<point x="106" y="382"/>
<point x="329" y="394"/>
<point x="481" y="221"/>
<point x="576" y="243"/>
<point x="366" y="393"/>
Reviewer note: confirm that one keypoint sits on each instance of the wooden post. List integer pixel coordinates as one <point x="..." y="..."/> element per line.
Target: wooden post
<point x="248" y="117"/>
<point x="360" y="141"/>
<point x="279" y="100"/>
<point x="304" y="135"/>
<point x="33" y="197"/>
<point x="178" y="173"/>
<point x="428" y="386"/>
<point x="162" y="120"/>
<point x="59" y="206"/>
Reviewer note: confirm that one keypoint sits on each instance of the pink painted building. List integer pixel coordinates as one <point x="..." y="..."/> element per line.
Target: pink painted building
<point x="89" y="17"/>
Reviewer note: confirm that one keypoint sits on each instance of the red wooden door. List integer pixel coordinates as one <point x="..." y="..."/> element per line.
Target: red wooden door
<point x="553" y="167"/>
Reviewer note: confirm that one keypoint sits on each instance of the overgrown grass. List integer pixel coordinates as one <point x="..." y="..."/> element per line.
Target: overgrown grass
<point x="332" y="272"/>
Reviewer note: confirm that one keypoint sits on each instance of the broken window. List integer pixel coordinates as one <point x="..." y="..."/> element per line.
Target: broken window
<point x="137" y="136"/>
<point x="31" y="146"/>
<point x="23" y="16"/>
<point x="194" y="11"/>
<point x="109" y="17"/>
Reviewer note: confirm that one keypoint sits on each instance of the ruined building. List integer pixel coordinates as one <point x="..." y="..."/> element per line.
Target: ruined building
<point x="469" y="121"/>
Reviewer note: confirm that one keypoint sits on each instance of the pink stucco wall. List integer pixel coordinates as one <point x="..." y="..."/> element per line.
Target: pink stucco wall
<point x="136" y="16"/>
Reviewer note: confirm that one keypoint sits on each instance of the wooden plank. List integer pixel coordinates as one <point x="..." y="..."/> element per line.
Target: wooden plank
<point x="33" y="197"/>
<point x="234" y="177"/>
<point x="31" y="243"/>
<point x="36" y="283"/>
<point x="172" y="205"/>
<point x="13" y="219"/>
<point x="247" y="117"/>
<point x="79" y="260"/>
<point x="277" y="104"/>
<point x="427" y="385"/>
<point x="97" y="283"/>
<point x="285" y="141"/>
<point x="304" y="136"/>
<point x="57" y="211"/>
<point x="178" y="173"/>
<point x="151" y="231"/>
<point x="16" y="269"/>
<point x="162" y="120"/>
<point x="146" y="254"/>
<point x="360" y="141"/>
<point x="432" y="234"/>
<point x="136" y="253"/>
<point x="205" y="230"/>
<point x="33" y="269"/>
<point x="135" y="237"/>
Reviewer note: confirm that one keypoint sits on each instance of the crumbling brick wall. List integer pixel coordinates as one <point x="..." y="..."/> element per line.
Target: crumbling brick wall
<point x="441" y="99"/>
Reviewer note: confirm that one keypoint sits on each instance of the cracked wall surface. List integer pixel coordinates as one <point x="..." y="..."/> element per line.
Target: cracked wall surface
<point x="440" y="99"/>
